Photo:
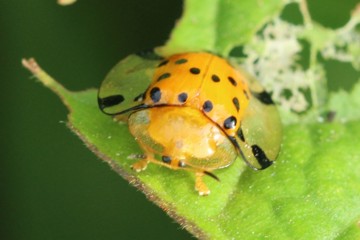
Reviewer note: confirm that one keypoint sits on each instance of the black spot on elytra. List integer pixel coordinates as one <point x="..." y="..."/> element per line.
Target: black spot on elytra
<point x="261" y="156"/>
<point x="207" y="106"/>
<point x="110" y="101"/>
<point x="230" y="122"/>
<point x="232" y="81"/>
<point x="215" y="78"/>
<point x="195" y="70"/>
<point x="246" y="94"/>
<point x="263" y="97"/>
<point x="236" y="103"/>
<point x="181" y="61"/>
<point x="155" y="94"/>
<point x="163" y="76"/>
<point x="182" y="97"/>
<point x="163" y="63"/>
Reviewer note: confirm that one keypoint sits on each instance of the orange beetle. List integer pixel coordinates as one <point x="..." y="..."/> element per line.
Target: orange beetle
<point x="193" y="111"/>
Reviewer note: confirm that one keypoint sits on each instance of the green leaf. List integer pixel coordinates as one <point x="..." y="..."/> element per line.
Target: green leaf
<point x="312" y="191"/>
<point x="219" y="25"/>
<point x="345" y="105"/>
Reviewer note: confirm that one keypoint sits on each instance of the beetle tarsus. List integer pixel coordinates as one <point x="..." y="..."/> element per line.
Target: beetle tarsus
<point x="200" y="186"/>
<point x="140" y="165"/>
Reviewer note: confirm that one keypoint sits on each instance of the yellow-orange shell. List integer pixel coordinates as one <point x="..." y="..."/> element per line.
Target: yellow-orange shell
<point x="202" y="81"/>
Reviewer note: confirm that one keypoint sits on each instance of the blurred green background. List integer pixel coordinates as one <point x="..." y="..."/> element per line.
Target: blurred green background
<point x="51" y="186"/>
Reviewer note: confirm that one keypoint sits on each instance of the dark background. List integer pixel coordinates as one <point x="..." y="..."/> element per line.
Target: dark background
<point x="51" y="186"/>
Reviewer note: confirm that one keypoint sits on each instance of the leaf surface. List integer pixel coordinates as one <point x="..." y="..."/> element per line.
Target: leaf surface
<point x="314" y="184"/>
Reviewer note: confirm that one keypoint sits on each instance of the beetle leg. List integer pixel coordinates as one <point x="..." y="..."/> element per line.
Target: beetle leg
<point x="200" y="186"/>
<point x="142" y="163"/>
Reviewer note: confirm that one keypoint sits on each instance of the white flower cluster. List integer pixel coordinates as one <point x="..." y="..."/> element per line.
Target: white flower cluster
<point x="272" y="58"/>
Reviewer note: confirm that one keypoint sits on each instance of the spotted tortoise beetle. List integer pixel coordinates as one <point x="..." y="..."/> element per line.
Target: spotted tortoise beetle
<point x="193" y="111"/>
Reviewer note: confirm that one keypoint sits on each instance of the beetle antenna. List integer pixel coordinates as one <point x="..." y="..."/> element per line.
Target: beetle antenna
<point x="212" y="175"/>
